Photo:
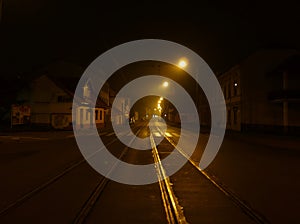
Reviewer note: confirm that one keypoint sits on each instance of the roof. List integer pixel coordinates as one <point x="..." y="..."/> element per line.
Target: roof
<point x="291" y="65"/>
<point x="273" y="61"/>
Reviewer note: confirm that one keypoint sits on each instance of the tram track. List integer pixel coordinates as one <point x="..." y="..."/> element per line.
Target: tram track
<point x="36" y="190"/>
<point x="171" y="202"/>
<point x="92" y="200"/>
<point x="240" y="203"/>
<point x="174" y="212"/>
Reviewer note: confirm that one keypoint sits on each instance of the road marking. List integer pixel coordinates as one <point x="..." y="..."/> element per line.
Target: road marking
<point x="157" y="134"/>
<point x="17" y="138"/>
<point x="110" y="134"/>
<point x="103" y="133"/>
<point x="34" y="138"/>
<point x="168" y="134"/>
<point x="175" y="134"/>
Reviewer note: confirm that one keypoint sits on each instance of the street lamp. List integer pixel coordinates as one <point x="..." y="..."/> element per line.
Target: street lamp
<point x="182" y="63"/>
<point x="165" y="84"/>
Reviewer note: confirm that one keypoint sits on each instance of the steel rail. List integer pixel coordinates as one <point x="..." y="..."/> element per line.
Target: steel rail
<point x="46" y="184"/>
<point x="97" y="192"/>
<point x="174" y="211"/>
<point x="250" y="212"/>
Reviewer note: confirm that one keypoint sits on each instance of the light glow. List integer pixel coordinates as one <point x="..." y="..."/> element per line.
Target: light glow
<point x="182" y="63"/>
<point x="166" y="84"/>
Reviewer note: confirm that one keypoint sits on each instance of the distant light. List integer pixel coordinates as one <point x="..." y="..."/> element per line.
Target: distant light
<point x="182" y="63"/>
<point x="235" y="84"/>
<point x="161" y="99"/>
<point x="165" y="115"/>
<point x="154" y="108"/>
<point x="159" y="102"/>
<point x="165" y="84"/>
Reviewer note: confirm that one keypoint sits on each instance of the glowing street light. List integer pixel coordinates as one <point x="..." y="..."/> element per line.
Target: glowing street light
<point x="182" y="63"/>
<point x="161" y="98"/>
<point x="165" y="84"/>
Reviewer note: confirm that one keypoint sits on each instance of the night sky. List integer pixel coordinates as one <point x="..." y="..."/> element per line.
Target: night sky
<point x="35" y="33"/>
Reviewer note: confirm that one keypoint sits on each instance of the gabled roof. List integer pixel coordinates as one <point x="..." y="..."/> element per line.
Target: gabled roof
<point x="69" y="86"/>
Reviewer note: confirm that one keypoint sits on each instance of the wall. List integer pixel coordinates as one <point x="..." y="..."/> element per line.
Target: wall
<point x="258" y="110"/>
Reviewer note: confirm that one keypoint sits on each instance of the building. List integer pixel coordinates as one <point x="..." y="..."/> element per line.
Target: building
<point x="1" y="6"/>
<point x="259" y="91"/>
<point x="87" y="115"/>
<point x="286" y="92"/>
<point x="120" y="111"/>
<point x="50" y="103"/>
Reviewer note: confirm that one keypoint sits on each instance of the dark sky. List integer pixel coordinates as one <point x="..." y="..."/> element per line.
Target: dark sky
<point x="35" y="33"/>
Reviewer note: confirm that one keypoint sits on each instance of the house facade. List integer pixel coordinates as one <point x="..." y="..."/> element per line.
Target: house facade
<point x="51" y="105"/>
<point x="250" y="90"/>
<point x="87" y="115"/>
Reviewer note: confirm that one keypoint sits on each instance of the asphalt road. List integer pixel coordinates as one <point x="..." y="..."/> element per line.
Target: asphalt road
<point x="44" y="179"/>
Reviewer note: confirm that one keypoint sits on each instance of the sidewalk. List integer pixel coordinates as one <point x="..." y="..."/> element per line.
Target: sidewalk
<point x="42" y="135"/>
<point x="274" y="141"/>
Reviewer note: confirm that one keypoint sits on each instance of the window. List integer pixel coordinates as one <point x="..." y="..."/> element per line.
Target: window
<point x="229" y="117"/>
<point x="235" y="111"/>
<point x="101" y="114"/>
<point x="86" y="114"/>
<point x="64" y="99"/>
<point x="96" y="114"/>
<point x="60" y="99"/>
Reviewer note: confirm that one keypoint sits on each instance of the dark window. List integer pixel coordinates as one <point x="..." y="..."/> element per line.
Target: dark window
<point x="229" y="90"/>
<point x="229" y="117"/>
<point x="64" y="99"/>
<point x="101" y="114"/>
<point x="60" y="99"/>
<point x="96" y="114"/>
<point x="86" y="114"/>
<point x="235" y="110"/>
